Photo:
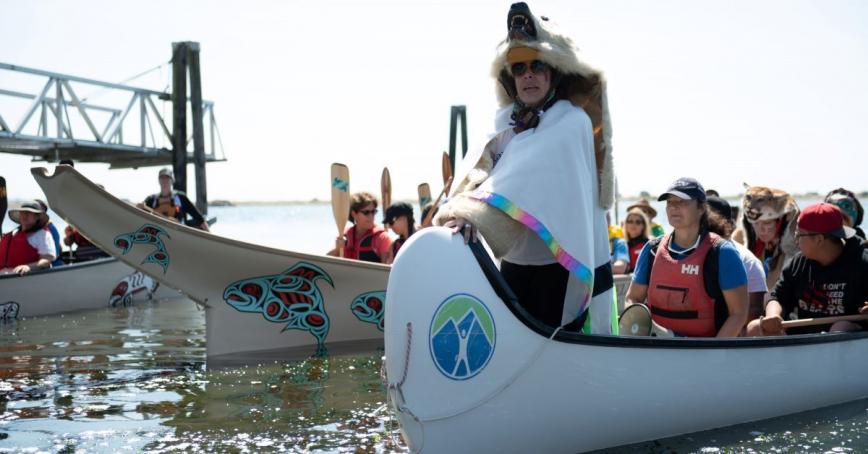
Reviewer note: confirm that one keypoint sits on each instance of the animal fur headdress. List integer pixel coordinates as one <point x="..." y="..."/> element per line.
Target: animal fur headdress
<point x="580" y="83"/>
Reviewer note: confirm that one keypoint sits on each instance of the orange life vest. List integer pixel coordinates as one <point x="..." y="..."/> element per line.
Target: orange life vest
<point x="677" y="294"/>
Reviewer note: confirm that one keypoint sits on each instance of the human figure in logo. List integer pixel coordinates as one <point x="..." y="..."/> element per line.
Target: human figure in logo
<point x="826" y="278"/>
<point x="364" y="240"/>
<point x="174" y="204"/>
<point x="693" y="280"/>
<point x="538" y="190"/>
<point x="399" y="218"/>
<point x="30" y="246"/>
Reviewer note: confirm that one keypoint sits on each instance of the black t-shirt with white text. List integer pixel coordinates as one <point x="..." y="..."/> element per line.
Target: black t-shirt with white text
<point x="816" y="291"/>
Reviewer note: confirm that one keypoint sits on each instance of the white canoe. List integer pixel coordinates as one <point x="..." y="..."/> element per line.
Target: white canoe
<point x="256" y="298"/>
<point x="469" y="372"/>
<point x="87" y="285"/>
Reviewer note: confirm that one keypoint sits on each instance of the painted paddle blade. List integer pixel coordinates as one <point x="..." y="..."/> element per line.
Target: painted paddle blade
<point x="340" y="182"/>
<point x="424" y="195"/>
<point x="4" y="204"/>
<point x="446" y="164"/>
<point x="386" y="188"/>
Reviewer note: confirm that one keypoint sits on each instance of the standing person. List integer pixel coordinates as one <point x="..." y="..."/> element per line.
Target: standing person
<point x="539" y="189"/>
<point x="849" y="204"/>
<point x="645" y="206"/>
<point x="756" y="275"/>
<point x="766" y="228"/>
<point x="399" y="217"/>
<point x="826" y="278"/>
<point x="637" y="232"/>
<point x="364" y="240"/>
<point x="174" y="204"/>
<point x="30" y="246"/>
<point x="693" y="280"/>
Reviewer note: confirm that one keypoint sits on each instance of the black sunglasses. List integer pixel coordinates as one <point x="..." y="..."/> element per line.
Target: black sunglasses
<point x="368" y="212"/>
<point x="520" y="68"/>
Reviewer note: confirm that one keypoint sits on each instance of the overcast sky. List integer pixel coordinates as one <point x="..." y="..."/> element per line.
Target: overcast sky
<point x="766" y="92"/>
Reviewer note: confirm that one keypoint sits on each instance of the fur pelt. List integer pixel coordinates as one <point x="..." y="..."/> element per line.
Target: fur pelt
<point x="762" y="203"/>
<point x="587" y="90"/>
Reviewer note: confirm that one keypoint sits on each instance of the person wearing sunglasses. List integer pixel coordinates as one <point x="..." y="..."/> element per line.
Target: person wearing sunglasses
<point x="637" y="232"/>
<point x="849" y="204"/>
<point x="364" y="239"/>
<point x="826" y="278"/>
<point x="538" y="189"/>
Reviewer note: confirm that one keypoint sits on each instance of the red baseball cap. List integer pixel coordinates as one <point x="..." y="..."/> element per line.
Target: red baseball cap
<point x="824" y="218"/>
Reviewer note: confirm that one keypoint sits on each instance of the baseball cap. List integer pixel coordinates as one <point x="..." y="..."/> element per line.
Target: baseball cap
<point x="166" y="172"/>
<point x="685" y="188"/>
<point x="720" y="206"/>
<point x="824" y="218"/>
<point x="397" y="210"/>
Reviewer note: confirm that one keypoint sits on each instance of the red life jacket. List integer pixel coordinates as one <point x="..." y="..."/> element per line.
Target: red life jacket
<point x="677" y="294"/>
<point x="363" y="248"/>
<point x="635" y="247"/>
<point x="15" y="250"/>
<point x="80" y="240"/>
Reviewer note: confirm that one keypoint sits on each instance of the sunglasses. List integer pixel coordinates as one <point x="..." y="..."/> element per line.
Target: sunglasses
<point x="520" y="68"/>
<point x="369" y="212"/>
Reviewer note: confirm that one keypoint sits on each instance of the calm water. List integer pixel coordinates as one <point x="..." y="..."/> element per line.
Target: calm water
<point x="135" y="380"/>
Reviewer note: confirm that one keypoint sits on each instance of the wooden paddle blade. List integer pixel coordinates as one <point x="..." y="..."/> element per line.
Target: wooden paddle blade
<point x="424" y="195"/>
<point x="4" y="204"/>
<point x="426" y="222"/>
<point x="446" y="164"/>
<point x="386" y="188"/>
<point x="340" y="182"/>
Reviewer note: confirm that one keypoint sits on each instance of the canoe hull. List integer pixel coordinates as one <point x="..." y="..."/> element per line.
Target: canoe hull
<point x="81" y="286"/>
<point x="256" y="298"/>
<point x="584" y="392"/>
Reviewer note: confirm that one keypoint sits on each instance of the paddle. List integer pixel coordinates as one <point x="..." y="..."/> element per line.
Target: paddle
<point x="824" y="320"/>
<point x="447" y="172"/>
<point x="386" y="188"/>
<point x="340" y="181"/>
<point x="3" y="203"/>
<point x="427" y="221"/>
<point x="424" y="195"/>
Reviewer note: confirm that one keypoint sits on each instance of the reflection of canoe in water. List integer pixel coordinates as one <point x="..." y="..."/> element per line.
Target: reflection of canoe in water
<point x="87" y="285"/>
<point x="469" y="373"/>
<point x="256" y="298"/>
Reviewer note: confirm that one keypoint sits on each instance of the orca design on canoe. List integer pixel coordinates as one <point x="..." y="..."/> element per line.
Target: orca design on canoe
<point x="291" y="297"/>
<point x="9" y="310"/>
<point x="466" y="365"/>
<point x="370" y="307"/>
<point x="128" y="287"/>
<point x="146" y="234"/>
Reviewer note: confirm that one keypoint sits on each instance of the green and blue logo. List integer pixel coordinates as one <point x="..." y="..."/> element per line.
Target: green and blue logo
<point x="340" y="184"/>
<point x="462" y="336"/>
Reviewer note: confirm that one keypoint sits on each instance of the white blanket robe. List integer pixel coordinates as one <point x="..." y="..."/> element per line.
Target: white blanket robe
<point x="547" y="181"/>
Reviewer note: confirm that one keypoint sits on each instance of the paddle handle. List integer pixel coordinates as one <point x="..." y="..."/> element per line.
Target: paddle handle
<point x="430" y="214"/>
<point x="824" y="320"/>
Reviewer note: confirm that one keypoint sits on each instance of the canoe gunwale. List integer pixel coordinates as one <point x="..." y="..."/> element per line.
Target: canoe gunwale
<point x="70" y="267"/>
<point x="495" y="279"/>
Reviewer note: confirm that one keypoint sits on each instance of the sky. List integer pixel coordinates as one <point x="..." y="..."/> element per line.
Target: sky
<point x="769" y="93"/>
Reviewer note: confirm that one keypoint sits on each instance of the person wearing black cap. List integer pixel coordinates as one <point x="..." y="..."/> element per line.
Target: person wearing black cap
<point x="399" y="217"/>
<point x="693" y="280"/>
<point x="720" y="221"/>
<point x="174" y="204"/>
<point x="30" y="247"/>
<point x="826" y="278"/>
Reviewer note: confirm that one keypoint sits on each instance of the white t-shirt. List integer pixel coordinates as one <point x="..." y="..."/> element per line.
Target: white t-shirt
<point x="42" y="241"/>
<point x="756" y="275"/>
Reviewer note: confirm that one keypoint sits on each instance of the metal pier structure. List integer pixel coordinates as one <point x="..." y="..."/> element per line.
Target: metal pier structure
<point x="128" y="128"/>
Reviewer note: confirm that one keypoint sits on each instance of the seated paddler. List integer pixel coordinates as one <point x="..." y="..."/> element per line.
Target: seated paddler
<point x="174" y="204"/>
<point x="693" y="281"/>
<point x="538" y="189"/>
<point x="828" y="277"/>
<point x="364" y="239"/>
<point x="30" y="247"/>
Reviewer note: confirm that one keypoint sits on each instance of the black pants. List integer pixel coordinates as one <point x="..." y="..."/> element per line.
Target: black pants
<point x="540" y="289"/>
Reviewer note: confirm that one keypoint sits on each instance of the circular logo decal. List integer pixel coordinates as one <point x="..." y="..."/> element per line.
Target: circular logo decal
<point x="462" y="337"/>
